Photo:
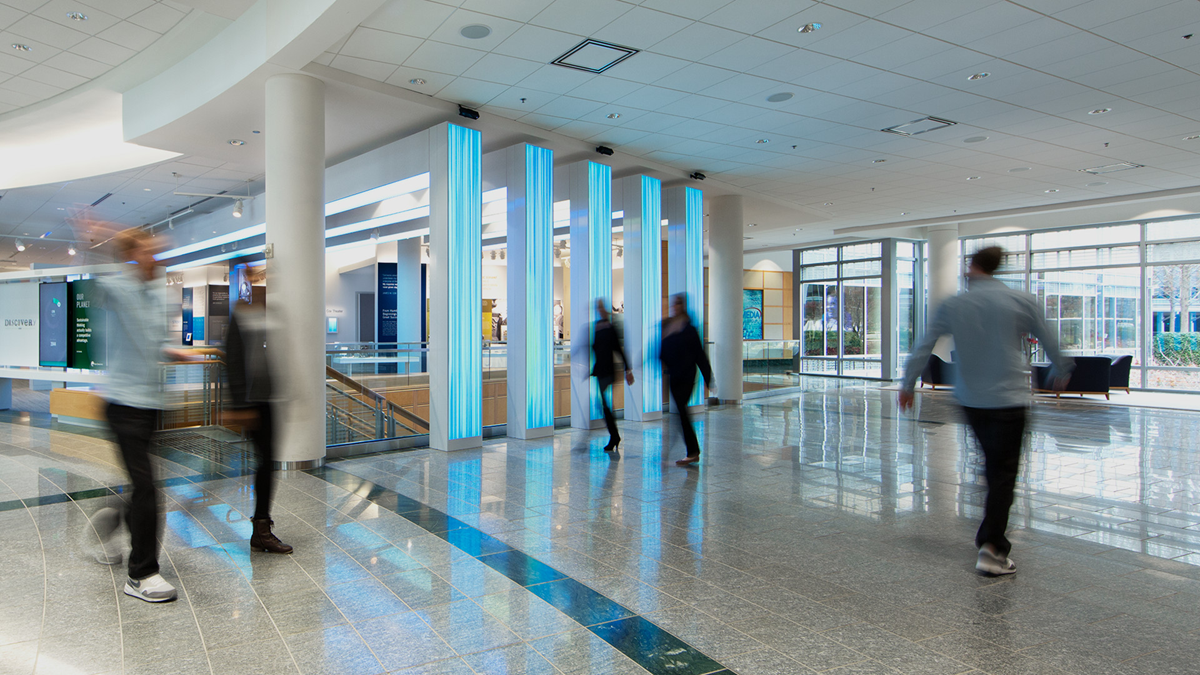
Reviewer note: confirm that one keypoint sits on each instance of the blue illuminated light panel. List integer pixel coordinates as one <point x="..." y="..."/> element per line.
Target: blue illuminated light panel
<point x="539" y="287"/>
<point x="465" y="280"/>
<point x="599" y="253"/>
<point x="651" y="292"/>
<point x="694" y="207"/>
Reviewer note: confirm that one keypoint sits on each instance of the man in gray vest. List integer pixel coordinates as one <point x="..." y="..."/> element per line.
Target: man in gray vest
<point x="988" y="323"/>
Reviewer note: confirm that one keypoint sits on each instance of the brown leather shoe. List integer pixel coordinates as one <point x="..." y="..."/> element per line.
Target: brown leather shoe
<point x="263" y="540"/>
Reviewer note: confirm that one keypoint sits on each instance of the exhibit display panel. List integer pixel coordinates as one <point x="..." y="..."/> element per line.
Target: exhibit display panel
<point x="19" y="331"/>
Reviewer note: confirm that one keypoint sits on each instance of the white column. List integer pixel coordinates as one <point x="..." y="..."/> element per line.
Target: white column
<point x="590" y="190"/>
<point x="455" y="288"/>
<point x="683" y="208"/>
<point x="642" y="203"/>
<point x="408" y="293"/>
<point x="944" y="273"/>
<point x="530" y="182"/>
<point x="295" y="197"/>
<point x="725" y="264"/>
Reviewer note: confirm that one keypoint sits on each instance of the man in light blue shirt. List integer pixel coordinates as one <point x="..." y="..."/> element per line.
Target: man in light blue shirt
<point x="137" y="344"/>
<point x="989" y="323"/>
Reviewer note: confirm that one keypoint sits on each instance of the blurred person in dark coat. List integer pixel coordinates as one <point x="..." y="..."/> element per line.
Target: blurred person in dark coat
<point x="606" y="344"/>
<point x="682" y="353"/>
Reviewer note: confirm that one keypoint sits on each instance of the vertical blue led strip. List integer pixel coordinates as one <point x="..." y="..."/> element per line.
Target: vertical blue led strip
<point x="539" y="287"/>
<point x="651" y="293"/>
<point x="465" y="216"/>
<point x="599" y="252"/>
<point x="694" y="246"/>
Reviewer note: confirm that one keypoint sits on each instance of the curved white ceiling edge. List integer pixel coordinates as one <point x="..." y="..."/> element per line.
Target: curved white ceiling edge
<point x="78" y="134"/>
<point x="271" y="34"/>
<point x="76" y="138"/>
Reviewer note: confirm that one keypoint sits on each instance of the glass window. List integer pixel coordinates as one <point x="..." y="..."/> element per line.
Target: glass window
<point x="862" y="268"/>
<point x="906" y="249"/>
<point x="859" y="251"/>
<point x="1099" y="236"/>
<point x="818" y="272"/>
<point x="1087" y="257"/>
<point x="1173" y="229"/>
<point x="1188" y="250"/>
<point x="818" y="255"/>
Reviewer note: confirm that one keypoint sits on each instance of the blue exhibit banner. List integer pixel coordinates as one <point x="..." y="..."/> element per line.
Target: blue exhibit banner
<point x="187" y="317"/>
<point x="386" y="300"/>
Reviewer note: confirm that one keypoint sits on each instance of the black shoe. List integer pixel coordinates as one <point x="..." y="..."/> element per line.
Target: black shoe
<point x="263" y="540"/>
<point x="612" y="445"/>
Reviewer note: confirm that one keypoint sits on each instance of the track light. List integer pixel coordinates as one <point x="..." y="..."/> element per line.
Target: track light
<point x="20" y="245"/>
<point x="237" y="209"/>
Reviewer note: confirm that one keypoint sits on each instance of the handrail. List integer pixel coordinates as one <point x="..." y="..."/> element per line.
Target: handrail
<point x="364" y="404"/>
<point x="351" y="415"/>
<point x="333" y="374"/>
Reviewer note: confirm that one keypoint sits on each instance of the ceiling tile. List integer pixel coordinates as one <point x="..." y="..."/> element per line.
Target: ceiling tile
<point x="1013" y="40"/>
<point x="54" y="77"/>
<point x="102" y="51"/>
<point x="641" y="28"/>
<point x="833" y="22"/>
<point x="443" y="58"/>
<point x="1100" y="12"/>
<point x="469" y="92"/>
<point x="747" y="54"/>
<point x="20" y="91"/>
<point x="450" y="31"/>
<point x="692" y="9"/>
<point x="995" y="17"/>
<point x="556" y="79"/>
<point x="606" y="89"/>
<point x="537" y="44"/>
<point x="374" y="70"/>
<point x="794" y="66"/>
<point x="325" y="58"/>
<point x="132" y="36"/>
<point x="693" y="106"/>
<point x="516" y="10"/>
<point x="34" y="28"/>
<point x="646" y="67"/>
<point x="569" y="107"/>
<point x="912" y="47"/>
<point x="580" y="18"/>
<point x="79" y="65"/>
<point x="956" y="61"/>
<point x="744" y="89"/>
<point x="869" y="8"/>
<point x="751" y="16"/>
<point x="695" y="77"/>
<point x="57" y="11"/>
<point x="650" y="98"/>
<point x="378" y="45"/>
<point x="158" y="18"/>
<point x="697" y="41"/>
<point x="417" y="18"/>
<point x="121" y="8"/>
<point x="860" y="39"/>
<point x="502" y="69"/>
<point x="13" y="65"/>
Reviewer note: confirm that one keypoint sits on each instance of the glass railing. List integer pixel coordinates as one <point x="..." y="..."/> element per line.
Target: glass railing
<point x="769" y="364"/>
<point x="192" y="391"/>
<point x="376" y="391"/>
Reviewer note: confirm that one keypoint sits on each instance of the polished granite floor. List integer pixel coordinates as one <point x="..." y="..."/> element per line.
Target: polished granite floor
<point x="822" y="532"/>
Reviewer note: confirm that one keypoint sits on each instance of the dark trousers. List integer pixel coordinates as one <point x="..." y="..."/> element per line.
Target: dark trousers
<point x="610" y="420"/>
<point x="681" y="393"/>
<point x="133" y="428"/>
<point x="263" y="435"/>
<point x="1000" y="432"/>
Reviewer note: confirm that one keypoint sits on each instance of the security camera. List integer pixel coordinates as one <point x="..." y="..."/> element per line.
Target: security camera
<point x="604" y="150"/>
<point x="697" y="176"/>
<point x="468" y="113"/>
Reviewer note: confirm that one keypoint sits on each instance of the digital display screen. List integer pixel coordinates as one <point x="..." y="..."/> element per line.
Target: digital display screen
<point x="53" y="329"/>
<point x="331" y="324"/>
<point x="87" y="327"/>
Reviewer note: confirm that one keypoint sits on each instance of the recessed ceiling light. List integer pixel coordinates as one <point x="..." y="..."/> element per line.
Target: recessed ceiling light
<point x="61" y="209"/>
<point x="613" y="116"/>
<point x="751" y="224"/>
<point x="1051" y="191"/>
<point x="972" y="177"/>
<point x="1098" y="183"/>
<point x="1100" y="111"/>
<point x="416" y="80"/>
<point x="763" y="140"/>
<point x="237" y="141"/>
<point x="22" y="47"/>
<point x="77" y="16"/>
<point x="1192" y="137"/>
<point x="256" y="131"/>
<point x="809" y="27"/>
<point x="978" y="76"/>
<point x="975" y="139"/>
<point x="828" y="203"/>
<point x="780" y="97"/>
<point x="878" y="161"/>
<point x="904" y="213"/>
<point x="1019" y="169"/>
<point x="475" y="31"/>
<point x="145" y="189"/>
<point x="71" y="250"/>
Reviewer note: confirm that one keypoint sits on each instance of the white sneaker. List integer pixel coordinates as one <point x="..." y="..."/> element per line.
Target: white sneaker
<point x="992" y="562"/>
<point x="104" y="523"/>
<point x="153" y="588"/>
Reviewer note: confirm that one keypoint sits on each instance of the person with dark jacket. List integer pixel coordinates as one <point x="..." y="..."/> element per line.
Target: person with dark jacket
<point x="606" y="343"/>
<point x="251" y="397"/>
<point x="682" y="353"/>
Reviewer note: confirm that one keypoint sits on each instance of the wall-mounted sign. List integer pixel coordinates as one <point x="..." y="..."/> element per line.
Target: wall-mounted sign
<point x="87" y="327"/>
<point x="53" y="313"/>
<point x="187" y="316"/>
<point x="19" y="325"/>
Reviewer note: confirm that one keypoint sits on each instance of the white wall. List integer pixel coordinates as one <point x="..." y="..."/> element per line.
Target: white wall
<point x="341" y="290"/>
<point x="775" y="261"/>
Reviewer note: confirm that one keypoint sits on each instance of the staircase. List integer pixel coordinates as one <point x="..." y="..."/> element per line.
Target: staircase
<point x="355" y="413"/>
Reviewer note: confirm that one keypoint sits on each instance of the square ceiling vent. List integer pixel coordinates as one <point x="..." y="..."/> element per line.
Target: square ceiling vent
<point x="1111" y="168"/>
<point x="921" y="126"/>
<point x="594" y="56"/>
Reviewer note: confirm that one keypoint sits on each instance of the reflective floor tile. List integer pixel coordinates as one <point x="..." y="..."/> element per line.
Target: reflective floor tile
<point x="333" y="651"/>
<point x="403" y="641"/>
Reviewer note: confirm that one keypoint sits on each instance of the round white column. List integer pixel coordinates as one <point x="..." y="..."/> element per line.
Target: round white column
<point x="295" y="196"/>
<point x="944" y="273"/>
<point x="725" y="263"/>
<point x="943" y="263"/>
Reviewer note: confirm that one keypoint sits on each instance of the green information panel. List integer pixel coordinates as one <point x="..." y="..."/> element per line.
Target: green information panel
<point x="87" y="327"/>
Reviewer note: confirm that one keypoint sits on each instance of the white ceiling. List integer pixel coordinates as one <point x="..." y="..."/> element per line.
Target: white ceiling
<point x="695" y="98"/>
